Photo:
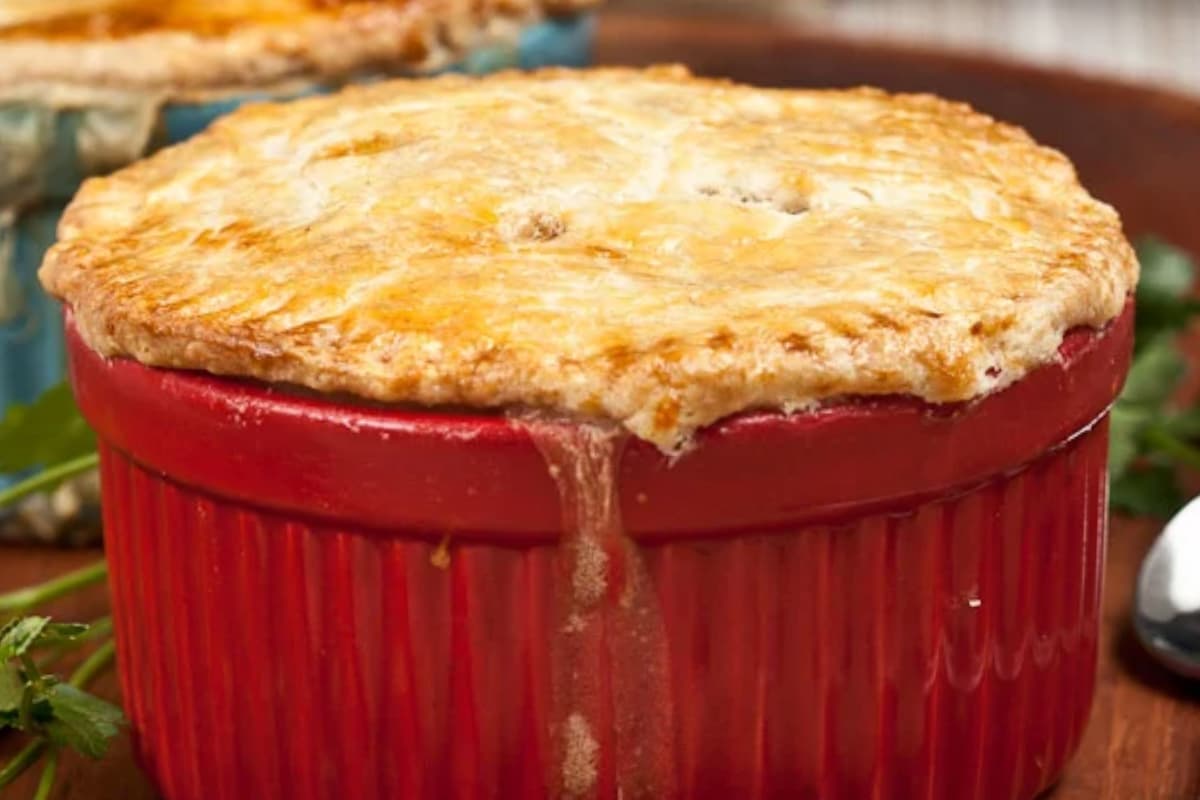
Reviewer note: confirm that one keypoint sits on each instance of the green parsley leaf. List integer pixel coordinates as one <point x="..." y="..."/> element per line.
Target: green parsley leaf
<point x="81" y="721"/>
<point x="19" y="636"/>
<point x="1154" y="375"/>
<point x="40" y="712"/>
<point x="1164" y="302"/>
<point x="1153" y="491"/>
<point x="1148" y="439"/>
<point x="49" y="432"/>
<point x="1167" y="272"/>
<point x="53" y="713"/>
<point x="11" y="691"/>
<point x="1184" y="425"/>
<point x="1127" y="424"/>
<point x="61" y="633"/>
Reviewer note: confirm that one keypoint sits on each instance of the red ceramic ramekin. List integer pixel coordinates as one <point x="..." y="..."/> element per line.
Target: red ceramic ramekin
<point x="882" y="599"/>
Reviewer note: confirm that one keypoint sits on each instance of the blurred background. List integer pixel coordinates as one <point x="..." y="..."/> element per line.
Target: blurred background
<point x="1151" y="41"/>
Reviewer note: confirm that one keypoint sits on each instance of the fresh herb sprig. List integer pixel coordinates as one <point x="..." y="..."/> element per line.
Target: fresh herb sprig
<point x="50" y="441"/>
<point x="1151" y="436"/>
<point x="53" y="713"/>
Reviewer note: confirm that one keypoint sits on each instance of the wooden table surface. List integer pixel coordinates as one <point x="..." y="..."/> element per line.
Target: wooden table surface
<point x="1144" y="739"/>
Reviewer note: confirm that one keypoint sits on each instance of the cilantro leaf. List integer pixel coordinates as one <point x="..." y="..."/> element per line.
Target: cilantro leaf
<point x="50" y="431"/>
<point x="81" y="721"/>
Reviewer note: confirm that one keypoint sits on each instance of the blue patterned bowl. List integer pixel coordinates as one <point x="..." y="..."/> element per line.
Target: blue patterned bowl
<point x="57" y="149"/>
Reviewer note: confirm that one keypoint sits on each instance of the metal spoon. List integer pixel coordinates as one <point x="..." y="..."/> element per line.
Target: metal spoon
<point x="1167" y="606"/>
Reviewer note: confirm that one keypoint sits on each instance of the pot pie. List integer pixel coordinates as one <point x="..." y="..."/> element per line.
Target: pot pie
<point x="535" y="604"/>
<point x="90" y="85"/>
<point x="642" y="247"/>
<point x="199" y="45"/>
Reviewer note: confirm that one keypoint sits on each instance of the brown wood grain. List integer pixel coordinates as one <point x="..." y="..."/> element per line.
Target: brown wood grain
<point x="1138" y="149"/>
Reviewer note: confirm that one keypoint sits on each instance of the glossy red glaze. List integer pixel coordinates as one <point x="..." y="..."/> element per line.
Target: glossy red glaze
<point x="881" y="599"/>
<point x="478" y="476"/>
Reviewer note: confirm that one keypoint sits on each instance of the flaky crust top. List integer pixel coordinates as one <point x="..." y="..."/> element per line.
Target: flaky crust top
<point x="644" y="247"/>
<point x="181" y="46"/>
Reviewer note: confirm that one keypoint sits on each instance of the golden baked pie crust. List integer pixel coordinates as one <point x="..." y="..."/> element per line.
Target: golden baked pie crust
<point x="640" y="246"/>
<point x="181" y="45"/>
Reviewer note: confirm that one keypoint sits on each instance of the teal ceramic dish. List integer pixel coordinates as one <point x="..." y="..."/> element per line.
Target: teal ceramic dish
<point x="52" y="143"/>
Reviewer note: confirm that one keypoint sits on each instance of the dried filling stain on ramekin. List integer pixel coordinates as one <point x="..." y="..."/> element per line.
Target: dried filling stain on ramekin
<point x="611" y="689"/>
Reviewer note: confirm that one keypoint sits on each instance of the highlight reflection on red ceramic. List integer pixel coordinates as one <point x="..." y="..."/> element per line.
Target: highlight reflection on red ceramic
<point x="878" y="600"/>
